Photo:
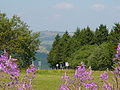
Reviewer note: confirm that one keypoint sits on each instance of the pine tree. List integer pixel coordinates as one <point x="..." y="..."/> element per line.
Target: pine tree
<point x="54" y="55"/>
<point x="65" y="46"/>
<point x="101" y="34"/>
<point x="114" y="35"/>
<point x="86" y="36"/>
<point x="75" y="43"/>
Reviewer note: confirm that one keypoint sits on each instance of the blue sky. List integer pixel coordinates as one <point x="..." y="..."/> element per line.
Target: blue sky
<point x="62" y="15"/>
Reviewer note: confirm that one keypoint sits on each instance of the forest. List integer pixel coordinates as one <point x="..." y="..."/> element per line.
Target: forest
<point x="95" y="48"/>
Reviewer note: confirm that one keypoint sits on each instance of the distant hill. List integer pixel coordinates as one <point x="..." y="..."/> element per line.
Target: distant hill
<point x="47" y="39"/>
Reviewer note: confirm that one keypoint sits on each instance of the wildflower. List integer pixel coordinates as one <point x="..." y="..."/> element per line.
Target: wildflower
<point x="81" y="73"/>
<point x="106" y="87"/>
<point x="2" y="66"/>
<point x="80" y="70"/>
<point x="31" y="70"/>
<point x="91" y="86"/>
<point x="104" y="75"/>
<point x="118" y="52"/>
<point x="13" y="77"/>
<point x="3" y="58"/>
<point x="62" y="87"/>
<point x="117" y="71"/>
<point x="65" y="77"/>
<point x="118" y="47"/>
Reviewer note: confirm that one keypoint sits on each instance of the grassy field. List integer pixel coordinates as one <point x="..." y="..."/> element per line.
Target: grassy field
<point x="50" y="79"/>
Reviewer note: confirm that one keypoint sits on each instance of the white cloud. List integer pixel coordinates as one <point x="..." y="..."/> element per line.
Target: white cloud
<point x="98" y="6"/>
<point x="63" y="5"/>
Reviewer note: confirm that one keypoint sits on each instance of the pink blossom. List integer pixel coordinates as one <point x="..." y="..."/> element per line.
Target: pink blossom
<point x="106" y="87"/>
<point x="63" y="87"/>
<point x="104" y="75"/>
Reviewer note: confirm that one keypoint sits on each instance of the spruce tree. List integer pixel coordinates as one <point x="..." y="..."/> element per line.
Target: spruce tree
<point x="75" y="43"/>
<point x="55" y="53"/>
<point x="101" y="34"/>
<point x="86" y="36"/>
<point x="114" y="35"/>
<point x="65" y="46"/>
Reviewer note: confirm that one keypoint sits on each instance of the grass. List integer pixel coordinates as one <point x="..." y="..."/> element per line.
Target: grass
<point x="50" y="79"/>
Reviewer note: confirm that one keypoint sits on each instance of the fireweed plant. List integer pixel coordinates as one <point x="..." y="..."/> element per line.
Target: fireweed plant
<point x="10" y="75"/>
<point x="83" y="80"/>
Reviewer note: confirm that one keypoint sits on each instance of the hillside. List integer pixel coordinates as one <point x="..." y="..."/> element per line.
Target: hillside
<point x="47" y="38"/>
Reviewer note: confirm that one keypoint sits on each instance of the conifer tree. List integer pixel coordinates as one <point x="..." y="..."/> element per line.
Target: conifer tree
<point x="101" y="34"/>
<point x="65" y="46"/>
<point x="54" y="56"/>
<point x="86" y="36"/>
<point x="75" y="43"/>
<point x="114" y="35"/>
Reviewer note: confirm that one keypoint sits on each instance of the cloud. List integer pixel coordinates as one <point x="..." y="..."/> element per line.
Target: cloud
<point x="63" y="5"/>
<point x="98" y="6"/>
<point x="118" y="7"/>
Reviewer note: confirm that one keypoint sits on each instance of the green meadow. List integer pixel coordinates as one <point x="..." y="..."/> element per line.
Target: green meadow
<point x="50" y="79"/>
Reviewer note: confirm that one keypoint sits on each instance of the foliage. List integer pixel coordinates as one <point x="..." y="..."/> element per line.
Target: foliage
<point x="100" y="59"/>
<point x="60" y="51"/>
<point x="17" y="39"/>
<point x="55" y="52"/>
<point x="86" y="36"/>
<point x="101" y="34"/>
<point x="82" y="55"/>
<point x="70" y="48"/>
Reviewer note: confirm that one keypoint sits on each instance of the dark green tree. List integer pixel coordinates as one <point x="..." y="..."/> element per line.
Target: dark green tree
<point x="114" y="35"/>
<point x="86" y="36"/>
<point x="82" y="55"/>
<point x="60" y="50"/>
<point x="81" y="38"/>
<point x="54" y="55"/>
<point x="101" y="34"/>
<point x="65" y="46"/>
<point x="75" y="43"/>
<point x="101" y="58"/>
<point x="17" y="39"/>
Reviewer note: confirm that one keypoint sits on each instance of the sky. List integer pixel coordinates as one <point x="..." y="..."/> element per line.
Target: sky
<point x="62" y="15"/>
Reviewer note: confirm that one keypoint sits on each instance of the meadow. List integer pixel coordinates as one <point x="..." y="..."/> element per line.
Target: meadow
<point x="50" y="79"/>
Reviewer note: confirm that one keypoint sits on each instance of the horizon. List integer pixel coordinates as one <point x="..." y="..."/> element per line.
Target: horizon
<point x="62" y="15"/>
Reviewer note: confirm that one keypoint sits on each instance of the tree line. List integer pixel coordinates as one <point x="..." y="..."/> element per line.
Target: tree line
<point x="95" y="48"/>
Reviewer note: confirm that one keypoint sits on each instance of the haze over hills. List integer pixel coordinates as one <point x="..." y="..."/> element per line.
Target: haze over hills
<point x="47" y="39"/>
